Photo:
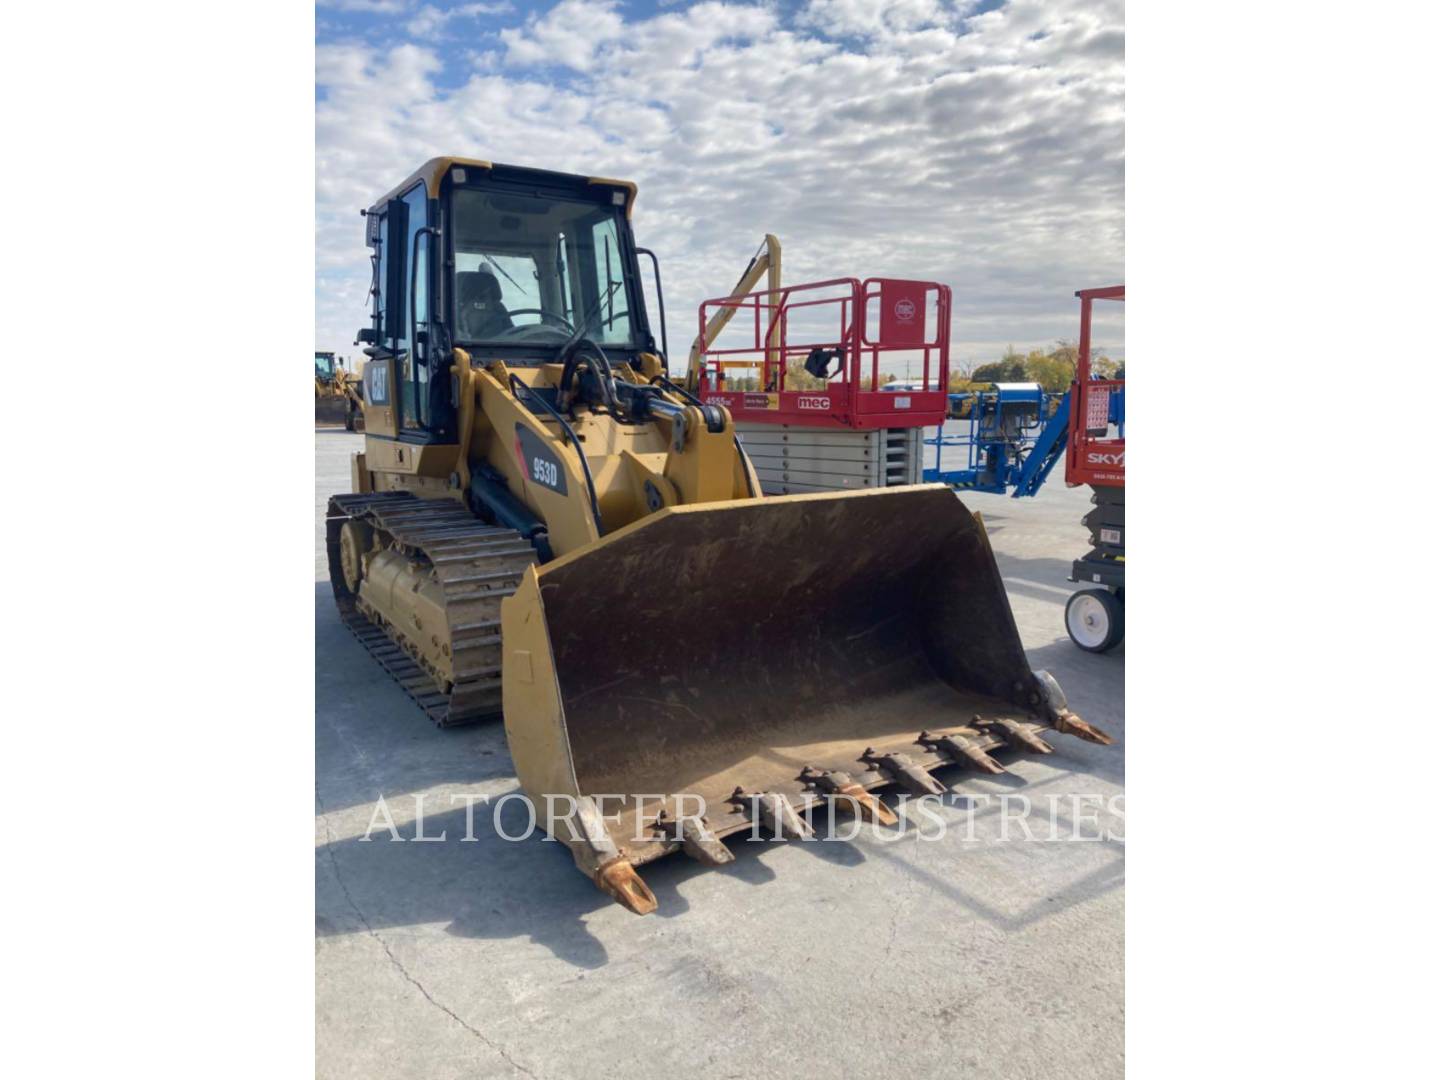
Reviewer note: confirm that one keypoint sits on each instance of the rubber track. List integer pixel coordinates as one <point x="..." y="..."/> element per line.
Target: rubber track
<point x="476" y="565"/>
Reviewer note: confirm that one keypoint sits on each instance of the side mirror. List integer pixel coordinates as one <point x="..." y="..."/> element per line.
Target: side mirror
<point x="366" y="336"/>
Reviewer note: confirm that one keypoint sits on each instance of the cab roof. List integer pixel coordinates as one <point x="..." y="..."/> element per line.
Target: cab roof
<point x="435" y="169"/>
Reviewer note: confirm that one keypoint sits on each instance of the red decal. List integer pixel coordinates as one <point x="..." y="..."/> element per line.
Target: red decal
<point x="902" y="313"/>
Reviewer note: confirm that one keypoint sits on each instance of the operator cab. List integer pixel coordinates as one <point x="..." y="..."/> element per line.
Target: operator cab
<point x="505" y="262"/>
<point x="529" y="267"/>
<point x="325" y="366"/>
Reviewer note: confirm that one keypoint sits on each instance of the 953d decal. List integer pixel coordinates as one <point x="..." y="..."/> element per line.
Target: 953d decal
<point x="538" y="462"/>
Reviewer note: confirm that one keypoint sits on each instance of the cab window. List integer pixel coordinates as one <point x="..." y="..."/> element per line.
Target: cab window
<point x="415" y="371"/>
<point x="531" y="270"/>
<point x="517" y="276"/>
<point x="614" y="314"/>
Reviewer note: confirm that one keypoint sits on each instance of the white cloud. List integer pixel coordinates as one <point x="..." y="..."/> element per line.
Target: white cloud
<point x="372" y="7"/>
<point x="986" y="154"/>
<point x="866" y="18"/>
<point x="571" y="33"/>
<point x="429" y="21"/>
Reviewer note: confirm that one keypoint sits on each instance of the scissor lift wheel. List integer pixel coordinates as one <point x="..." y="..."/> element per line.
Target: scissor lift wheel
<point x="1095" y="619"/>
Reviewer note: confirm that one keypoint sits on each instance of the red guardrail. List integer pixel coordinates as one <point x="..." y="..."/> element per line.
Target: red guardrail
<point x="843" y="327"/>
<point x="1091" y="456"/>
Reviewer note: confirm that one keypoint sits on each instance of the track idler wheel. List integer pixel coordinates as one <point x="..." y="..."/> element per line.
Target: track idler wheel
<point x="355" y="540"/>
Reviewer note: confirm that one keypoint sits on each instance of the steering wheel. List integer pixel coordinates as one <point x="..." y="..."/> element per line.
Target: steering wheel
<point x="544" y="314"/>
<point x="596" y="376"/>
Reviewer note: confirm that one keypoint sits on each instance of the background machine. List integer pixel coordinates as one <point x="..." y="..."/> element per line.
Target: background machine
<point x="1095" y="455"/>
<point x="800" y="370"/>
<point x="337" y="392"/>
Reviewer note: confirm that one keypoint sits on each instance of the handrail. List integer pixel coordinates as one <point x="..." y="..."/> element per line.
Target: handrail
<point x="1093" y="459"/>
<point x="660" y="301"/>
<point x="852" y="339"/>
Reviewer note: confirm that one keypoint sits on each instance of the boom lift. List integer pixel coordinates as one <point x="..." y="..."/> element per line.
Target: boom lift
<point x="1011" y="436"/>
<point x="766" y="262"/>
<point x="543" y="524"/>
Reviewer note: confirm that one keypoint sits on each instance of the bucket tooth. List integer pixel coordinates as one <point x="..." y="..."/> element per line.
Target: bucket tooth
<point x="902" y="769"/>
<point x="775" y="812"/>
<point x="697" y="841"/>
<point x="619" y="880"/>
<point x="1067" y="723"/>
<point x="1063" y="720"/>
<point x="596" y="853"/>
<point x="963" y="749"/>
<point x="842" y="784"/>
<point x="1019" y="736"/>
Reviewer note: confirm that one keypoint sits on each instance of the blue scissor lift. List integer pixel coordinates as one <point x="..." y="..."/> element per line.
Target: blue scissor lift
<point x="1012" y="437"/>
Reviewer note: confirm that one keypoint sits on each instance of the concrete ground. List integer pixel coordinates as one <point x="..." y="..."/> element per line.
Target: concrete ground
<point x="984" y="955"/>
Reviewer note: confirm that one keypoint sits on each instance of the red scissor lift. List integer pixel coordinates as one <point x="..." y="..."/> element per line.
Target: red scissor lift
<point x="1095" y="455"/>
<point x="855" y="431"/>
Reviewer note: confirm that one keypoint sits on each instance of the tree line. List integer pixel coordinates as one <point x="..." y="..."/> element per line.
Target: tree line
<point x="1053" y="370"/>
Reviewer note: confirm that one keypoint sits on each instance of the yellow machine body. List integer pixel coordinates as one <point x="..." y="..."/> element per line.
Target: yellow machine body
<point x="337" y="392"/>
<point x="676" y="658"/>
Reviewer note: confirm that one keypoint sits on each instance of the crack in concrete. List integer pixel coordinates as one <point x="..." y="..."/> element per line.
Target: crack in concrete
<point x="899" y="907"/>
<point x="394" y="960"/>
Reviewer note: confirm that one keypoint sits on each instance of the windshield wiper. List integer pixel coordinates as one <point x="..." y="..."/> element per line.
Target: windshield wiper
<point x="497" y="266"/>
<point x="584" y="323"/>
<point x="609" y="292"/>
<point x="562" y="272"/>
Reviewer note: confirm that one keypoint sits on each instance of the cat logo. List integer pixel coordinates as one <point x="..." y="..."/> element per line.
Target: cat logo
<point x="377" y="383"/>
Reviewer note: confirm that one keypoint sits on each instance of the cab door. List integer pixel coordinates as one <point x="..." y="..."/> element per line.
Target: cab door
<point x="378" y="374"/>
<point x="410" y="342"/>
<point x="399" y="383"/>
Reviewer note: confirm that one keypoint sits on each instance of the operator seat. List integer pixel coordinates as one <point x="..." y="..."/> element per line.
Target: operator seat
<point x="481" y="313"/>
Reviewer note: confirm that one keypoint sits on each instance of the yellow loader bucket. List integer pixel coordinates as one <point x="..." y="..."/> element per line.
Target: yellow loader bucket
<point x="330" y="409"/>
<point x="728" y="666"/>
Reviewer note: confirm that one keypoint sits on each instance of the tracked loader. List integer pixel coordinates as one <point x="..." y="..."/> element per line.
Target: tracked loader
<point x="543" y="526"/>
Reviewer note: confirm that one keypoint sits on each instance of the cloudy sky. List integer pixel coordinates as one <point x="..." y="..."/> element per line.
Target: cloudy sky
<point x="981" y="144"/>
